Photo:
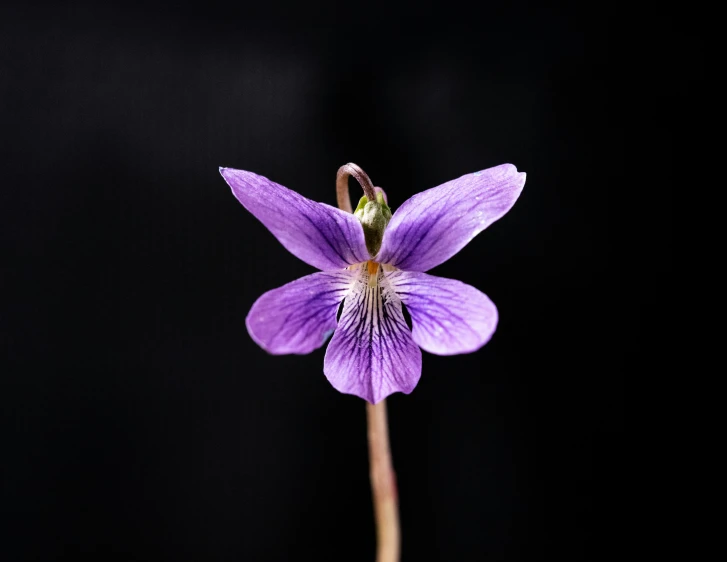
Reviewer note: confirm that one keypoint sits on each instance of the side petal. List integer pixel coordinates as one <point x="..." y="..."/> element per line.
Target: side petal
<point x="372" y="353"/>
<point x="320" y="235"/>
<point x="448" y="316"/>
<point x="298" y="317"/>
<point x="432" y="226"/>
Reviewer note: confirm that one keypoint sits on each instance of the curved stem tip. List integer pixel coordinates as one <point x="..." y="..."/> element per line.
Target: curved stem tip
<point x="351" y="169"/>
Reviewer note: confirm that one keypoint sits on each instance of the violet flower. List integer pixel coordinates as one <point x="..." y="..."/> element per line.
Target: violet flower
<point x="373" y="353"/>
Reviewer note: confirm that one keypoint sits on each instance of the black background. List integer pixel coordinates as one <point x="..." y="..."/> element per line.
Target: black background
<point x="140" y="421"/>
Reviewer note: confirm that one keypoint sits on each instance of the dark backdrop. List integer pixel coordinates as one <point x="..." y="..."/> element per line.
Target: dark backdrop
<point x="140" y="421"/>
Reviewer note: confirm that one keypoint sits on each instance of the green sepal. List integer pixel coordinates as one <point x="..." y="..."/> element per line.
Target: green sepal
<point x="361" y="204"/>
<point x="374" y="216"/>
<point x="384" y="205"/>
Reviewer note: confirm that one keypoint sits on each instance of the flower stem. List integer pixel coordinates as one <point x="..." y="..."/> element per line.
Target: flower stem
<point x="381" y="470"/>
<point x="383" y="484"/>
<point x="351" y="169"/>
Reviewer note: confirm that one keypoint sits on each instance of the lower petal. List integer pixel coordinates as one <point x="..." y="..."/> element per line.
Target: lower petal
<point x="372" y="354"/>
<point x="448" y="316"/>
<point x="298" y="317"/>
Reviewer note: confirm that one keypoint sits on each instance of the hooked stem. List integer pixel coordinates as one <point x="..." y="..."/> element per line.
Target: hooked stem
<point x="381" y="469"/>
<point x="351" y="169"/>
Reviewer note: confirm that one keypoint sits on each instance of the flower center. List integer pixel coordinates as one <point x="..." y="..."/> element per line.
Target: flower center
<point x="373" y="269"/>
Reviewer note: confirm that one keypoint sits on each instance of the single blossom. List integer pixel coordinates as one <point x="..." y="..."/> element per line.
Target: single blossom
<point x="373" y="353"/>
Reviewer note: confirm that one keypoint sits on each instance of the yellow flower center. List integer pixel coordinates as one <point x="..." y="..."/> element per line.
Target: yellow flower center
<point x="373" y="268"/>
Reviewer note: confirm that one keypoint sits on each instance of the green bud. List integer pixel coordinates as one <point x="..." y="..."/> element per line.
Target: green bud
<point x="374" y="216"/>
<point x="361" y="204"/>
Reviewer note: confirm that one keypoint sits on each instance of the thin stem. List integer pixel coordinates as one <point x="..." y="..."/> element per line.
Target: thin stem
<point x="383" y="484"/>
<point x="351" y="169"/>
<point x="381" y="469"/>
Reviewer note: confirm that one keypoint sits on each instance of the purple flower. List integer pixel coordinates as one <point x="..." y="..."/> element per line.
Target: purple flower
<point x="373" y="353"/>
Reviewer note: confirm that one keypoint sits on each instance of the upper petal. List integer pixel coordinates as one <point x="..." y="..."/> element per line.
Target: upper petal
<point x="299" y="317"/>
<point x="372" y="353"/>
<point x="432" y="226"/>
<point x="320" y="235"/>
<point x="448" y="316"/>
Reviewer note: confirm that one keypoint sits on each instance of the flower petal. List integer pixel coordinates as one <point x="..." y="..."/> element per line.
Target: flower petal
<point x="299" y="317"/>
<point x="372" y="353"/>
<point x="432" y="226"/>
<point x="320" y="235"/>
<point x="448" y="316"/>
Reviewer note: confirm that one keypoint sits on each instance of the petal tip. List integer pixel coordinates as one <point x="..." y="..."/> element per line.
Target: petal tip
<point x="511" y="169"/>
<point x="370" y="396"/>
<point x="253" y="336"/>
